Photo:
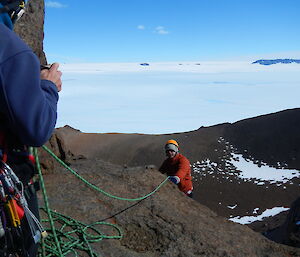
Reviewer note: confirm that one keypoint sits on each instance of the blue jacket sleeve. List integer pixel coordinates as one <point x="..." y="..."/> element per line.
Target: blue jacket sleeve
<point x="31" y="103"/>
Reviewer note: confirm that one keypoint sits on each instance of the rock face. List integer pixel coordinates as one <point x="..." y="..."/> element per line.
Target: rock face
<point x="31" y="27"/>
<point x="166" y="224"/>
<point x="57" y="145"/>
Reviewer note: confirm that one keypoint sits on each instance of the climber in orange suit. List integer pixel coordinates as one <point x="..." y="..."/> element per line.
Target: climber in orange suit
<point x="177" y="167"/>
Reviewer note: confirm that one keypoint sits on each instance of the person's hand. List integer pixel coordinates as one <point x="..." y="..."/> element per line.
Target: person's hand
<point x="174" y="179"/>
<point x="53" y="74"/>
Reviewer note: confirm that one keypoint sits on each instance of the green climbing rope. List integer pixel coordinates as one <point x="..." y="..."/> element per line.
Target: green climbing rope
<point x="97" y="188"/>
<point x="46" y="202"/>
<point x="73" y="236"/>
<point x="67" y="235"/>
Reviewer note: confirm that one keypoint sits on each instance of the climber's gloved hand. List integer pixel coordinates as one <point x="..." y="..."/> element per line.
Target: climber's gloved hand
<point x="174" y="179"/>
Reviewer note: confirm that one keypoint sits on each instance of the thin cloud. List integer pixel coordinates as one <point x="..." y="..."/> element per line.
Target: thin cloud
<point x="141" y="27"/>
<point x="52" y="4"/>
<point x="161" y="30"/>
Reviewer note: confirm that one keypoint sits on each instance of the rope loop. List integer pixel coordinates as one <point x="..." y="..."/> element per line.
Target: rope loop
<point x="67" y="235"/>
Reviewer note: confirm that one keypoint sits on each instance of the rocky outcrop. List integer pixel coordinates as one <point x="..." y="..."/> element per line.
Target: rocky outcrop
<point x="58" y="146"/>
<point x="31" y="27"/>
<point x="166" y="224"/>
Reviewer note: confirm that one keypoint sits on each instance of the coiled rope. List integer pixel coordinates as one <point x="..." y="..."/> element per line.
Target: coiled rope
<point x="67" y="235"/>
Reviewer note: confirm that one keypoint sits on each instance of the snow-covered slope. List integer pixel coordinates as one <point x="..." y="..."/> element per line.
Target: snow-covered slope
<point x="236" y="169"/>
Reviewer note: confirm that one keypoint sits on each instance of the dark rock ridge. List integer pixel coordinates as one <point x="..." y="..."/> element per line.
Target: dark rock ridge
<point x="31" y="27"/>
<point x="271" y="138"/>
<point x="275" y="61"/>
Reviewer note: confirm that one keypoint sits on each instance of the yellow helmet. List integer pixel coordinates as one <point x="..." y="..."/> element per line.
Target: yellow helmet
<point x="172" y="141"/>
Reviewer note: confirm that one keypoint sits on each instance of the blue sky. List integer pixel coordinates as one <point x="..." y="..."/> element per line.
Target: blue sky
<point x="170" y="30"/>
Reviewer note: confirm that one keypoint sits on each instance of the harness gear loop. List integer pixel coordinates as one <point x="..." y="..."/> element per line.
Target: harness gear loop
<point x="14" y="212"/>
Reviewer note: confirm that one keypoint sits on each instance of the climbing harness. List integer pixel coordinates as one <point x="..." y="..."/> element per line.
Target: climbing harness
<point x="14" y="212"/>
<point x="67" y="235"/>
<point x="14" y="8"/>
<point x="18" y="225"/>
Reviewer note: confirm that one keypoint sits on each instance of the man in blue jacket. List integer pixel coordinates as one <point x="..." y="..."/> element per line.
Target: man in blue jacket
<point x="28" y="105"/>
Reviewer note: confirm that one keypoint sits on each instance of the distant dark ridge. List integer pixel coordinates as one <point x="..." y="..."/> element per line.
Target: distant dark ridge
<point x="272" y="138"/>
<point x="275" y="61"/>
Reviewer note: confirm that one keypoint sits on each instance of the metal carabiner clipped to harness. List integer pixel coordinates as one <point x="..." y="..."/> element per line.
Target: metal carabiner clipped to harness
<point x="14" y="8"/>
<point x="14" y="204"/>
